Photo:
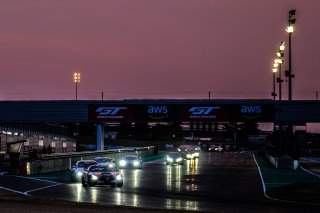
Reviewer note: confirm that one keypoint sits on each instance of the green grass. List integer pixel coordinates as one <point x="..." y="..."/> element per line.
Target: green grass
<point x="153" y="157"/>
<point x="289" y="184"/>
<point x="274" y="177"/>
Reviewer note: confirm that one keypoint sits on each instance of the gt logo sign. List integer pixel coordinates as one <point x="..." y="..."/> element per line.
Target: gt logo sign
<point x="202" y="110"/>
<point x="109" y="110"/>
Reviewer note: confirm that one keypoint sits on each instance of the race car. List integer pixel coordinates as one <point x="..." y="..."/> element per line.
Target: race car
<point x="78" y="169"/>
<point x="130" y="161"/>
<point x="105" y="161"/>
<point x="174" y="158"/>
<point x="189" y="151"/>
<point x="97" y="174"/>
<point x="215" y="148"/>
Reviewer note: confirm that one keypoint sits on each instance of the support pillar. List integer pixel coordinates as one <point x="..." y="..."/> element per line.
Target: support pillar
<point x="198" y="127"/>
<point x="216" y="127"/>
<point x="100" y="137"/>
<point x="204" y="125"/>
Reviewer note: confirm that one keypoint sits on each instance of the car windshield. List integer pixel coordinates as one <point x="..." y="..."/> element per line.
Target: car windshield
<point x="100" y="169"/>
<point x="182" y="147"/>
<point x="83" y="164"/>
<point x="103" y="160"/>
<point x="131" y="158"/>
<point x="173" y="155"/>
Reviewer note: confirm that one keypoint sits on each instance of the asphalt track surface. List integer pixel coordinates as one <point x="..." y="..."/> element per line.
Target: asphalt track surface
<point x="216" y="182"/>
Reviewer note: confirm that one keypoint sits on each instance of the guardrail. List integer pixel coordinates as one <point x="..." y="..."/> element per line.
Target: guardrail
<point x="97" y="153"/>
<point x="63" y="161"/>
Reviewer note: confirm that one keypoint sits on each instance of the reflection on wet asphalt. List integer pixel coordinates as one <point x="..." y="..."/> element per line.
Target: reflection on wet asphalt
<point x="214" y="182"/>
<point x="156" y="185"/>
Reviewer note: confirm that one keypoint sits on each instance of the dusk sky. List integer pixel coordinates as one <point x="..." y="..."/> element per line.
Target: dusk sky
<point x="155" y="49"/>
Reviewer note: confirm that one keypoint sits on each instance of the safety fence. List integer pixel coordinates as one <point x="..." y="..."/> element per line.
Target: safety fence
<point x="63" y="161"/>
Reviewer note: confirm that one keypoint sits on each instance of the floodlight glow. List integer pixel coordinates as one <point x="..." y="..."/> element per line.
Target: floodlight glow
<point x="282" y="47"/>
<point x="290" y="29"/>
<point x="280" y="54"/>
<point x="76" y="77"/>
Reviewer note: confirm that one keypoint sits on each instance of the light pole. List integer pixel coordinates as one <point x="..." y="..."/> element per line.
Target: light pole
<point x="289" y="75"/>
<point x="274" y="70"/>
<point x="290" y="30"/>
<point x="76" y="78"/>
<point x="280" y="60"/>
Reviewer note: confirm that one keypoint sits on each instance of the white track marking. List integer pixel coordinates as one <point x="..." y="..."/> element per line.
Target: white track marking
<point x="309" y="171"/>
<point x="38" y="179"/>
<point x="15" y="191"/>
<point x="41" y="188"/>
<point x="26" y="192"/>
<point x="271" y="198"/>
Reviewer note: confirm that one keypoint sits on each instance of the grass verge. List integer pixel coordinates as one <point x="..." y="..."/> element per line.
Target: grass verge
<point x="288" y="184"/>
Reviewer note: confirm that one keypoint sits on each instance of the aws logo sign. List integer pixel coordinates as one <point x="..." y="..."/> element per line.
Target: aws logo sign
<point x="158" y="112"/>
<point x="251" y="111"/>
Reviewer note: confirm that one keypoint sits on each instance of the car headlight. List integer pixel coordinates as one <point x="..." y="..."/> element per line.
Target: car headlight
<point x="79" y="173"/>
<point x="122" y="163"/>
<point x="136" y="163"/>
<point x="189" y="156"/>
<point x="169" y="159"/>
<point x="111" y="165"/>
<point x="118" y="177"/>
<point x="179" y="159"/>
<point x="196" y="154"/>
<point x="93" y="177"/>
